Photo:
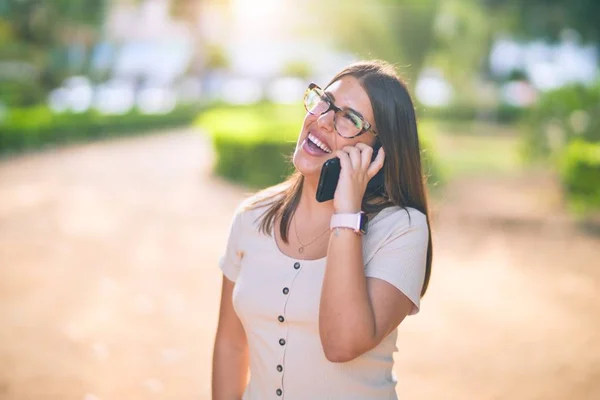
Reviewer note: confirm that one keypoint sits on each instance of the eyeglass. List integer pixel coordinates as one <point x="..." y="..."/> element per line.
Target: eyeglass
<point x="347" y="122"/>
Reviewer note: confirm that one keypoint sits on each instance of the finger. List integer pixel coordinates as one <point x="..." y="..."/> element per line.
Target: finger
<point x="345" y="161"/>
<point x="354" y="154"/>
<point x="377" y="164"/>
<point x="366" y="152"/>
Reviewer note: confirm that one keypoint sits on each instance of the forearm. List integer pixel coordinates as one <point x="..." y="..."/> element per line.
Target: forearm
<point x="230" y="371"/>
<point x="346" y="319"/>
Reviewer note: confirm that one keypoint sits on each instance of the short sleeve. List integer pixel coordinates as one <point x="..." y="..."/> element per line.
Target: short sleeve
<point x="401" y="259"/>
<point x="230" y="261"/>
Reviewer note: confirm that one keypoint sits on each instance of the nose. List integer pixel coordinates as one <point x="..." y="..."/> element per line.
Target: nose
<point x="326" y="121"/>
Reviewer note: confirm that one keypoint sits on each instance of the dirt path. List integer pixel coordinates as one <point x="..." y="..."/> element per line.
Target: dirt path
<point x="109" y="286"/>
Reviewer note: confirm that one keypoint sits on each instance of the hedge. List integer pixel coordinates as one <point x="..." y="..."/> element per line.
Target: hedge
<point x="559" y="117"/>
<point x="36" y="127"/>
<point x="254" y="144"/>
<point x="563" y="128"/>
<point x="503" y="114"/>
<point x="580" y="173"/>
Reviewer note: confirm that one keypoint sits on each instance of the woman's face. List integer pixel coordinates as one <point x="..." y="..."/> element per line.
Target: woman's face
<point x="346" y="93"/>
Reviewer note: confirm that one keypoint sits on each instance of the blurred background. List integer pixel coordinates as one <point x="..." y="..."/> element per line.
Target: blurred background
<point x="131" y="129"/>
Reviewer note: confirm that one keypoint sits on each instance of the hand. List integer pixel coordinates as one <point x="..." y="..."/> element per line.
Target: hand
<point x="357" y="170"/>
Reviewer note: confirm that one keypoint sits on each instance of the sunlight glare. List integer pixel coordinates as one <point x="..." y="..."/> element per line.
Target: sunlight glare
<point x="257" y="15"/>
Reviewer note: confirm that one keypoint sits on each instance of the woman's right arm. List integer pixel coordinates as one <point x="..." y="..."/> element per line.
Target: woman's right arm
<point x="230" y="356"/>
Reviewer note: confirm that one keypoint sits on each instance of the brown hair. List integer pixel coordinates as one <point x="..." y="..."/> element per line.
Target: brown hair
<point x="396" y="123"/>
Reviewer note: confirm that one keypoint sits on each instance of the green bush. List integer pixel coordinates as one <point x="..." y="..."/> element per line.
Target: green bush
<point x="21" y="93"/>
<point x="503" y="114"/>
<point x="559" y="117"/>
<point x="253" y="144"/>
<point x="580" y="173"/>
<point x="35" y="127"/>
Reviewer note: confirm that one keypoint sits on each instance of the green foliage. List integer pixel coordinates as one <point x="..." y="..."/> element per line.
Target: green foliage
<point x="432" y="168"/>
<point x="253" y="144"/>
<point x="462" y="36"/>
<point x="299" y="69"/>
<point x="580" y="172"/>
<point x="21" y="93"/>
<point x="216" y="57"/>
<point x="411" y="24"/>
<point x="559" y="117"/>
<point x="469" y="149"/>
<point x="33" y="32"/>
<point x="564" y="128"/>
<point x="35" y="127"/>
<point x="255" y="163"/>
<point x="503" y="114"/>
<point x="400" y="32"/>
<point x="40" y="21"/>
<point x="544" y="18"/>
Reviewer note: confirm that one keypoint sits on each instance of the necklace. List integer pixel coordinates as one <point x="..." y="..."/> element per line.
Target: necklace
<point x="302" y="245"/>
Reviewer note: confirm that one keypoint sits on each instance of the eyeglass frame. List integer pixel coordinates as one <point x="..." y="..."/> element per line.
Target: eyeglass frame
<point x="366" y="124"/>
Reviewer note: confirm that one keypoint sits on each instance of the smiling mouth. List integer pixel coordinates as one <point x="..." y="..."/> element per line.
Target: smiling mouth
<point x="317" y="143"/>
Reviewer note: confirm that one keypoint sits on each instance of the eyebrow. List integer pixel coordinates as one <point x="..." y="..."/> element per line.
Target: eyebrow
<point x="332" y="97"/>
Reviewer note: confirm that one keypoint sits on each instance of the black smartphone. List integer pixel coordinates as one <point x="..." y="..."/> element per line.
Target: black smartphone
<point x="330" y="174"/>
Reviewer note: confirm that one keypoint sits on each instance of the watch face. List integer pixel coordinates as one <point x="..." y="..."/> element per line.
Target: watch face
<point x="364" y="223"/>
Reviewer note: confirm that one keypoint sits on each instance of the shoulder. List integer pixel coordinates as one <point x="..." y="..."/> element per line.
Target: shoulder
<point x="399" y="220"/>
<point x="396" y="227"/>
<point x="252" y="208"/>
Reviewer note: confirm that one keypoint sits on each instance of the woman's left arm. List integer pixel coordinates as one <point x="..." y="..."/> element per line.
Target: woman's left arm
<point x="355" y="312"/>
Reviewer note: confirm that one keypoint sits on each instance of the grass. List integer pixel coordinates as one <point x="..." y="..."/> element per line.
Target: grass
<point x="477" y="149"/>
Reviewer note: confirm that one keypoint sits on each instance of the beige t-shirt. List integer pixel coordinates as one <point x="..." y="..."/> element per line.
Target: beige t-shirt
<point x="277" y="300"/>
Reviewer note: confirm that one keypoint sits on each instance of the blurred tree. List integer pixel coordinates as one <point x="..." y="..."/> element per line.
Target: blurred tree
<point x="216" y="57"/>
<point x="210" y="57"/>
<point x="462" y="38"/>
<point x="398" y="31"/>
<point x="300" y="69"/>
<point x="549" y="18"/>
<point x="412" y="25"/>
<point x="43" y="34"/>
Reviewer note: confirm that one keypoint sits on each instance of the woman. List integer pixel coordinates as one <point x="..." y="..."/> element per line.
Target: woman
<point x="310" y="302"/>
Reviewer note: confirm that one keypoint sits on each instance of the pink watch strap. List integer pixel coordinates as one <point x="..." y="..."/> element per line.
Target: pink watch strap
<point x="351" y="221"/>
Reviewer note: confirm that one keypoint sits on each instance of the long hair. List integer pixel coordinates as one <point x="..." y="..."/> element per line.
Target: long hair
<point x="405" y="183"/>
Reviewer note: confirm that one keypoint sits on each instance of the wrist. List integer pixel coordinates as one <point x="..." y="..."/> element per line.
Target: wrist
<point x="357" y="221"/>
<point x="349" y="209"/>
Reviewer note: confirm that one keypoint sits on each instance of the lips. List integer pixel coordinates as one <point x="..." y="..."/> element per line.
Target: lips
<point x="320" y="141"/>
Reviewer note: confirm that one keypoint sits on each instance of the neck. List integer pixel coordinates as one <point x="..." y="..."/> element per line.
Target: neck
<point x="309" y="208"/>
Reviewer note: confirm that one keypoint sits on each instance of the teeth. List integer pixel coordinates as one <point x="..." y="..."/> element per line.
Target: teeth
<point x="321" y="145"/>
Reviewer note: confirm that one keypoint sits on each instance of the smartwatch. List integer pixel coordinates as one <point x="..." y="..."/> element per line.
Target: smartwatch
<point x="357" y="222"/>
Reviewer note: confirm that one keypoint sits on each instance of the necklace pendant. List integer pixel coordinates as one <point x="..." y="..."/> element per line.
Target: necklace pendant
<point x="301" y="249"/>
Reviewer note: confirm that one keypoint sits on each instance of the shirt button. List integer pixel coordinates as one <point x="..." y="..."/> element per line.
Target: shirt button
<point x="296" y="265"/>
<point x="279" y="368"/>
<point x="286" y="290"/>
<point x="282" y="342"/>
<point x="279" y="392"/>
<point x="280" y="318"/>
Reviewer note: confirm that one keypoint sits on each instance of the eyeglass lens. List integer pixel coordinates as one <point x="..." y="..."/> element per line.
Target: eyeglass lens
<point x="346" y="123"/>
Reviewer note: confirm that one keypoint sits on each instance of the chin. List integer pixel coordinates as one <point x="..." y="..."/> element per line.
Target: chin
<point x="308" y="166"/>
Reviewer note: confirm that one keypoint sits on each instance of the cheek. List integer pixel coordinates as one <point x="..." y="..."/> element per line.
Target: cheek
<point x="309" y="119"/>
<point x="340" y="142"/>
<point x="305" y="124"/>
